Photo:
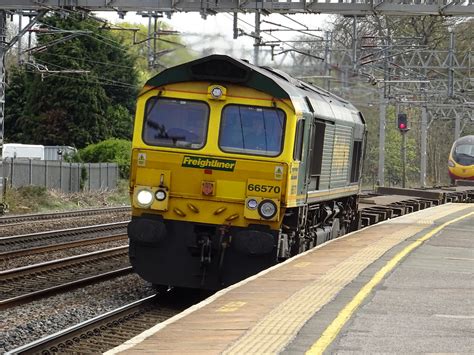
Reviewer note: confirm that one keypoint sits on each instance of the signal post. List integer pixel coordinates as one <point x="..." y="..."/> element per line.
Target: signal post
<point x="402" y="124"/>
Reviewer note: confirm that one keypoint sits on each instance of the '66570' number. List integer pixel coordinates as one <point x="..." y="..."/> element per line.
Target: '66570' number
<point x="263" y="188"/>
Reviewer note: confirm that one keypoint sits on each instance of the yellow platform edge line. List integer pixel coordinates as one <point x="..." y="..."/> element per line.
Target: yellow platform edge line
<point x="345" y="314"/>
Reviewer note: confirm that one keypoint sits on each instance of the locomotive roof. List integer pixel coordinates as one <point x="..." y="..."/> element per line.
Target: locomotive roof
<point x="222" y="68"/>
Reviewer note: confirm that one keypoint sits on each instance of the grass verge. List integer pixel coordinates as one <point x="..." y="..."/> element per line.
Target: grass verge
<point x="31" y="199"/>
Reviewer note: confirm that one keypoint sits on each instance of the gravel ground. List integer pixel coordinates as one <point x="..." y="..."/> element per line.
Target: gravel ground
<point x="60" y="254"/>
<point x="61" y="223"/>
<point x="23" y="324"/>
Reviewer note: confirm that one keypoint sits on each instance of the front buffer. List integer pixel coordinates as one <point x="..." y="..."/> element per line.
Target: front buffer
<point x="185" y="254"/>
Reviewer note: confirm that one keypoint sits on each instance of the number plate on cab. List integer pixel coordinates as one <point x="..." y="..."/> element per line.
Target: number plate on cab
<point x="265" y="188"/>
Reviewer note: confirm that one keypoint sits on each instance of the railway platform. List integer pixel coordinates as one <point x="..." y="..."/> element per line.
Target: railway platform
<point x="403" y="285"/>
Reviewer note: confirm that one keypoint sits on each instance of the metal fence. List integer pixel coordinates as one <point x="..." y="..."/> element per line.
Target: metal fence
<point x="59" y="175"/>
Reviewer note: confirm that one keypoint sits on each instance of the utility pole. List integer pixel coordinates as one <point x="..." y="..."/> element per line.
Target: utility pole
<point x="151" y="41"/>
<point x="4" y="47"/>
<point x="354" y="44"/>
<point x="256" y="46"/>
<point x="3" y="51"/>
<point x="403" y="127"/>
<point x="457" y="118"/>
<point x="403" y="147"/>
<point x="19" y="47"/>
<point x="28" y="55"/>
<point x="404" y="159"/>
<point x="235" y="26"/>
<point x="382" y="109"/>
<point x="451" y="65"/>
<point x="327" y="58"/>
<point x="155" y="31"/>
<point x="423" y="144"/>
<point x="457" y="126"/>
<point x="151" y="58"/>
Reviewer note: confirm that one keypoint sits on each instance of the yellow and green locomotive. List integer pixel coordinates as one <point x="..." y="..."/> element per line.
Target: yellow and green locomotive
<point x="237" y="167"/>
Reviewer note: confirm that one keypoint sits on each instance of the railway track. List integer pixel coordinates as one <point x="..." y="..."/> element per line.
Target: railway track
<point x="28" y="244"/>
<point x="54" y="215"/>
<point x="388" y="202"/>
<point x="28" y="282"/>
<point x="113" y="328"/>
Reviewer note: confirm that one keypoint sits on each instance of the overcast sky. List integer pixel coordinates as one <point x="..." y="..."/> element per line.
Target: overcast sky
<point x="190" y="24"/>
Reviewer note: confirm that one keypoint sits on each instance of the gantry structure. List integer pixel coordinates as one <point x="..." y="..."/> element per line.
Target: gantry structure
<point x="344" y="7"/>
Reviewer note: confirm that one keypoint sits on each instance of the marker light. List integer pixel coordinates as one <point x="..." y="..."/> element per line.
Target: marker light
<point x="451" y="164"/>
<point x="252" y="204"/>
<point x="144" y="198"/>
<point x="267" y="209"/>
<point x="160" y="195"/>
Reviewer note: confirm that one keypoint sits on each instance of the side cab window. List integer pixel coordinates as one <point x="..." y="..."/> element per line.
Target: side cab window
<point x="299" y="136"/>
<point x="317" y="151"/>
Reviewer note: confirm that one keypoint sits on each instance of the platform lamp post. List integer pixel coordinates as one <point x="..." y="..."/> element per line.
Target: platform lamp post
<point x="402" y="124"/>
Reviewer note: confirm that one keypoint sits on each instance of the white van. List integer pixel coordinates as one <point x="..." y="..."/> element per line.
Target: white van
<point x="25" y="151"/>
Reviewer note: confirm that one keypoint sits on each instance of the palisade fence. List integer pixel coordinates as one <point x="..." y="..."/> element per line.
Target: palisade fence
<point x="59" y="175"/>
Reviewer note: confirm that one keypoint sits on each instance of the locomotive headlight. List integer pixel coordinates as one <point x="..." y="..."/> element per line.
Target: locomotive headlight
<point x="252" y="204"/>
<point x="160" y="195"/>
<point x="267" y="209"/>
<point x="144" y="197"/>
<point x="216" y="92"/>
<point x="451" y="164"/>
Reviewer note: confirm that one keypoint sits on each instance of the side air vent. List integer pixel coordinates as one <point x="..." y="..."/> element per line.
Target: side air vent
<point x="219" y="70"/>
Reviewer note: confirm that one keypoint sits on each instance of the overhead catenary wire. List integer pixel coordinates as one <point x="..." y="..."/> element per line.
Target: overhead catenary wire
<point x="91" y="61"/>
<point x="81" y="79"/>
<point x="115" y="44"/>
<point x="100" y="79"/>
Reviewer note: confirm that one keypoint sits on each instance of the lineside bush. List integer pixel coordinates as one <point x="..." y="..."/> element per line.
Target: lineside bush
<point x="109" y="151"/>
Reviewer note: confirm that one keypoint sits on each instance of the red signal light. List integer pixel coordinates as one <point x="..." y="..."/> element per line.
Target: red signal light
<point x="402" y="122"/>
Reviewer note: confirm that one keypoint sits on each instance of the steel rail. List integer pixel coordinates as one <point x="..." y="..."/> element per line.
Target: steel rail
<point x="113" y="328"/>
<point x="64" y="336"/>
<point x="31" y="281"/>
<point x="52" y="215"/>
<point x="31" y="240"/>
<point x="61" y="246"/>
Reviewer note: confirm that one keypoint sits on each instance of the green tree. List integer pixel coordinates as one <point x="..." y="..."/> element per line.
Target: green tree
<point x="60" y="107"/>
<point x="170" y="48"/>
<point x="15" y="98"/>
<point x="111" y="150"/>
